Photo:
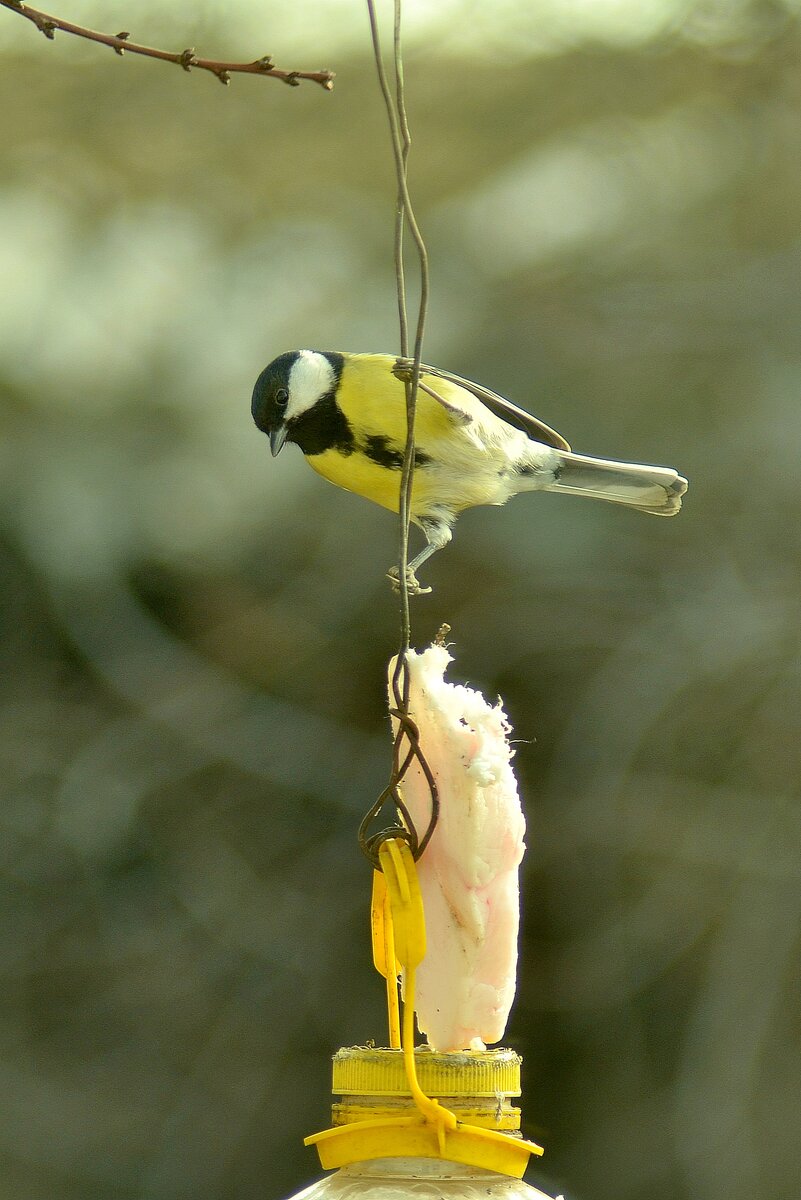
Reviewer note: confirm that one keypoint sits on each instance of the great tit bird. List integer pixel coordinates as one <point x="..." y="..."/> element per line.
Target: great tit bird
<point x="347" y="413"/>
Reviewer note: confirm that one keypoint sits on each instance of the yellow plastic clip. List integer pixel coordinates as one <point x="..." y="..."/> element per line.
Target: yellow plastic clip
<point x="384" y="959"/>
<point x="408" y="920"/>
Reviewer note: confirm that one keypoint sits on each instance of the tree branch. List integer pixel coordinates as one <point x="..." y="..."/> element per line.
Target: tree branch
<point x="120" y="42"/>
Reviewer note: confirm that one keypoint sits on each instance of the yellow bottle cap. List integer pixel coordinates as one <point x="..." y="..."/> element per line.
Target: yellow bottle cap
<point x="378" y="1117"/>
<point x="373" y="1071"/>
<point x="476" y="1086"/>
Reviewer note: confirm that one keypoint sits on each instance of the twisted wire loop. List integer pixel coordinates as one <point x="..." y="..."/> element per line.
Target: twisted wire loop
<point x="407" y="730"/>
<point x="403" y="827"/>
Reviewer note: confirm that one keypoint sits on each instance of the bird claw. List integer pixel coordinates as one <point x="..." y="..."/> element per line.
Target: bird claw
<point x="414" y="588"/>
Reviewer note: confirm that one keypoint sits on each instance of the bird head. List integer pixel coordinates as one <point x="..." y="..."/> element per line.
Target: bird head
<point x="290" y="393"/>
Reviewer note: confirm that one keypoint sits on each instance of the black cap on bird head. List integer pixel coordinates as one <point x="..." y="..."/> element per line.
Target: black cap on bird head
<point x="294" y="399"/>
<point x="271" y="398"/>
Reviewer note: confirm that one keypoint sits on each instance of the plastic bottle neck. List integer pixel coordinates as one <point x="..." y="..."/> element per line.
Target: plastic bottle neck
<point x="418" y="1168"/>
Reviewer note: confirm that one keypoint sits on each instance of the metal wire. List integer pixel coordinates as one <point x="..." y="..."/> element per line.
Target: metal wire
<point x="407" y="730"/>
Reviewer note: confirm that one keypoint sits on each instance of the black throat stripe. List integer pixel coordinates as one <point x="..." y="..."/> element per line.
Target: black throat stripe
<point x="379" y="450"/>
<point x="324" y="427"/>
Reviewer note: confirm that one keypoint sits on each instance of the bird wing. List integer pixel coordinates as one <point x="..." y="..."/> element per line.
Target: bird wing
<point x="499" y="406"/>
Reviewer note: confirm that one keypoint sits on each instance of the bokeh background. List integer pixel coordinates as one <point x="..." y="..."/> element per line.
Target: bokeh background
<point x="195" y="637"/>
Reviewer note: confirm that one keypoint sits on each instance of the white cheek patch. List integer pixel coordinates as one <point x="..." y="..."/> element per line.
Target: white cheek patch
<point x="310" y="378"/>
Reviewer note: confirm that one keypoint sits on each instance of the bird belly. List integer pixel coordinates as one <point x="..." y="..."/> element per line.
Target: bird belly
<point x="356" y="473"/>
<point x="436" y="486"/>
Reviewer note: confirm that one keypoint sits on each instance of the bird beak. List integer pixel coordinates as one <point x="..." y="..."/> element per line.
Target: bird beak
<point x="277" y="439"/>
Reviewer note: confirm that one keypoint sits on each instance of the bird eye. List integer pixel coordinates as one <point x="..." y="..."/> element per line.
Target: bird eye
<point x="282" y="397"/>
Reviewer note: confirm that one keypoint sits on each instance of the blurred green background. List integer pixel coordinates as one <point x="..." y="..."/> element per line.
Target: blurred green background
<point x="195" y="637"/>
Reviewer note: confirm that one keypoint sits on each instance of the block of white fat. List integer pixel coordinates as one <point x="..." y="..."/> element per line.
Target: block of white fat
<point x="469" y="872"/>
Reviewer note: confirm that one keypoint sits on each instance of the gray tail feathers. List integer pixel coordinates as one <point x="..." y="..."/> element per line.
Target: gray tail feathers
<point x="650" y="489"/>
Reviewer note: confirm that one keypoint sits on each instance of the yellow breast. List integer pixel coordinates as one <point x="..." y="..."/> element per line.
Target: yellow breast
<point x="374" y="402"/>
<point x="356" y="473"/>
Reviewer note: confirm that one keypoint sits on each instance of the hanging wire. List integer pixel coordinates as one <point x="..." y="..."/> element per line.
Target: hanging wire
<point x="407" y="731"/>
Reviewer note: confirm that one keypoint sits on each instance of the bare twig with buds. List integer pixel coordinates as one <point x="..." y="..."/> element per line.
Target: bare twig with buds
<point x="120" y="42"/>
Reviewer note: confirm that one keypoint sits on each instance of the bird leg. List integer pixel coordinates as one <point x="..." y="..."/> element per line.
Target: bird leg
<point x="437" y="534"/>
<point x="413" y="586"/>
